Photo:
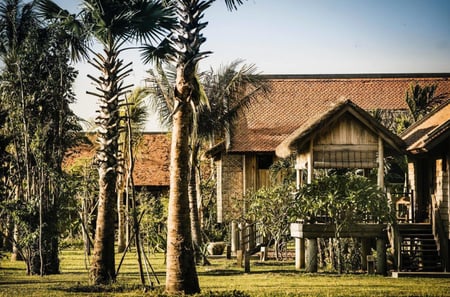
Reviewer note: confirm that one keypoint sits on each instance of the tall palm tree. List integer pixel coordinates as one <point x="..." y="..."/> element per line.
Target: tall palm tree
<point x="229" y="91"/>
<point x="185" y="53"/>
<point x="112" y="23"/>
<point x="135" y="114"/>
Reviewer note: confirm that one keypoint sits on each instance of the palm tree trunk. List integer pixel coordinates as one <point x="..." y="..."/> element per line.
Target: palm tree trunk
<point x="195" y="222"/>
<point x="121" y="242"/>
<point x="103" y="265"/>
<point x="181" y="275"/>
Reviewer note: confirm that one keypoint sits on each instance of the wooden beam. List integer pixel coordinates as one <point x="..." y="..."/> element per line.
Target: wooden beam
<point x="380" y="163"/>
<point x="328" y="231"/>
<point x="345" y="164"/>
<point x="310" y="161"/>
<point x="346" y="147"/>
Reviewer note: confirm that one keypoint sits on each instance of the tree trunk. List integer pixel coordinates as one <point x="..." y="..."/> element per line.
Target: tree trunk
<point x="121" y="241"/>
<point x="103" y="264"/>
<point x="108" y="156"/>
<point x="181" y="274"/>
<point x="195" y="222"/>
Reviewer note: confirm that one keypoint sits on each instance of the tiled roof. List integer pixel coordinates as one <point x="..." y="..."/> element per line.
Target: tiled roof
<point x="152" y="167"/>
<point x="152" y="159"/>
<point x="294" y="99"/>
<point x="426" y="133"/>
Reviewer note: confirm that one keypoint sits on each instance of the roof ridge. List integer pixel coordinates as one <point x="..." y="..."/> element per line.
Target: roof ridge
<point x="434" y="75"/>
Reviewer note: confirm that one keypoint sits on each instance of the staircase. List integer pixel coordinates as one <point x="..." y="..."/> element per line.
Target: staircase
<point x="418" y="249"/>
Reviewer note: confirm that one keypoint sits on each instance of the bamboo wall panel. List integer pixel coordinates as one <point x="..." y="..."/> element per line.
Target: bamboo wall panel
<point x="230" y="185"/>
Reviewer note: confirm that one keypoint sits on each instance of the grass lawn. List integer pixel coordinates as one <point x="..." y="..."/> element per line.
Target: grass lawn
<point x="266" y="279"/>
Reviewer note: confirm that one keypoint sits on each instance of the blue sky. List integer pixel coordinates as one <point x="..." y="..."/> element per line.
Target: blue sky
<point x="314" y="36"/>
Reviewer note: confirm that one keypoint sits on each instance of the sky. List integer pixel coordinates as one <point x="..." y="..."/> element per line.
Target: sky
<point x="310" y="37"/>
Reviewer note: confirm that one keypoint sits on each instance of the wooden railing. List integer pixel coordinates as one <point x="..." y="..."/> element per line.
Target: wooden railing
<point x="404" y="206"/>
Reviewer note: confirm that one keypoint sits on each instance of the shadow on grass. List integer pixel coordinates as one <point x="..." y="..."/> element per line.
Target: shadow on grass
<point x="114" y="288"/>
<point x="221" y="272"/>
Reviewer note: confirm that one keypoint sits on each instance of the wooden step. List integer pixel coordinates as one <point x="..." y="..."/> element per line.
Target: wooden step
<point x="418" y="248"/>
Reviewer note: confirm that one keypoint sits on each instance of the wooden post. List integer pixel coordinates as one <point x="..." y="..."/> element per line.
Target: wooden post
<point x="365" y="251"/>
<point x="311" y="255"/>
<point x="380" y="163"/>
<point x="370" y="264"/>
<point x="239" y="258"/>
<point x="310" y="161"/>
<point x="381" y="256"/>
<point x="234" y="237"/>
<point x="299" y="253"/>
<point x="246" y="261"/>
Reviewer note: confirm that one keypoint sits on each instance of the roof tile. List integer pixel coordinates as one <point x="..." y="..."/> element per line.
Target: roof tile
<point x="293" y="99"/>
<point x="152" y="165"/>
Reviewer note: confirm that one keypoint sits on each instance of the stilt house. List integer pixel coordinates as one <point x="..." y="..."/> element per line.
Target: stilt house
<point x="295" y="102"/>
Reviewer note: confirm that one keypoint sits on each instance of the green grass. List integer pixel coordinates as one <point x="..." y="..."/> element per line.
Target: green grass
<point x="266" y="279"/>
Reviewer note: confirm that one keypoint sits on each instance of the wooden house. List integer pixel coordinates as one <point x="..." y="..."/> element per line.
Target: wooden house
<point x="428" y="145"/>
<point x="243" y="162"/>
<point x="300" y="106"/>
<point x="344" y="136"/>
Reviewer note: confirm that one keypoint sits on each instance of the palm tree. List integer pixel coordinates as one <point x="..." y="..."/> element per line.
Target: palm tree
<point x="135" y="113"/>
<point x="229" y="91"/>
<point x="112" y="23"/>
<point x="421" y="100"/>
<point x="184" y="51"/>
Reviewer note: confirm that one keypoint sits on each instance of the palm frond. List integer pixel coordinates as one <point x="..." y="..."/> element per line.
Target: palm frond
<point x="75" y="26"/>
<point x="233" y="4"/>
<point x="150" y="20"/>
<point x="137" y="108"/>
<point x="230" y="91"/>
<point x="157" y="54"/>
<point x="160" y="83"/>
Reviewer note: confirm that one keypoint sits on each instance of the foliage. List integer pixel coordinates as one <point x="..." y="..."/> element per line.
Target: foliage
<point x="282" y="170"/>
<point x="342" y="199"/>
<point x="212" y="231"/>
<point x="270" y="208"/>
<point x="154" y="222"/>
<point x="37" y="89"/>
<point x="79" y="216"/>
<point x="420" y="100"/>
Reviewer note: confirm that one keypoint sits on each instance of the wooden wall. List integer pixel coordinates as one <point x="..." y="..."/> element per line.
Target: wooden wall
<point x="346" y="144"/>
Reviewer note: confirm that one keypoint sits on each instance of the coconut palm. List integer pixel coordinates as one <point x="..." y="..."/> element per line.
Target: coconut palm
<point x="112" y="23"/>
